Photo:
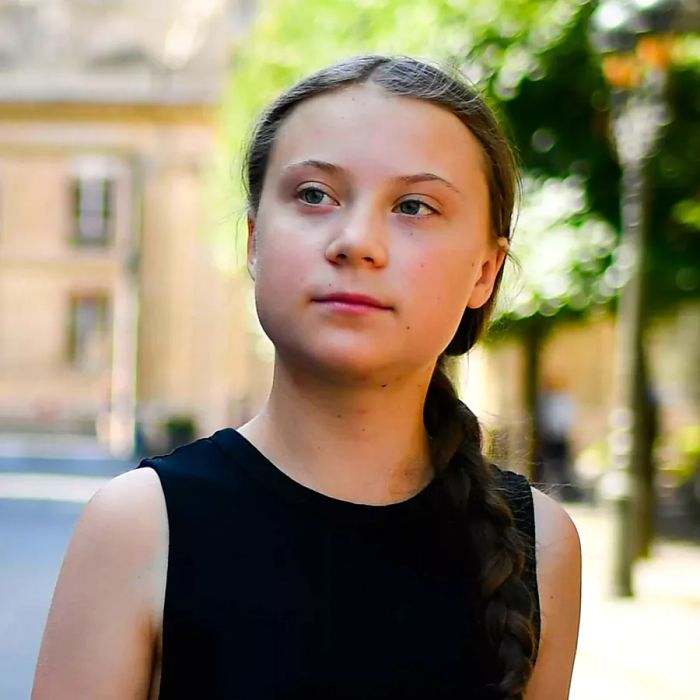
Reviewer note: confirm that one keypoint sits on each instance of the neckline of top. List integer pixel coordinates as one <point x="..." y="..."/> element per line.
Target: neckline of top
<point x="263" y="470"/>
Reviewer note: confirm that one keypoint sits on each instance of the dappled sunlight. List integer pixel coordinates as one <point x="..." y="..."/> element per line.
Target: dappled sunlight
<point x="561" y="249"/>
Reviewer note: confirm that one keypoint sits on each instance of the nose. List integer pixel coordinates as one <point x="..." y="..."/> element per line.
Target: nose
<point x="360" y="238"/>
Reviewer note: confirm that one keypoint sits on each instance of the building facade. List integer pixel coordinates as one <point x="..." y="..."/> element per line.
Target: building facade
<point x="113" y="308"/>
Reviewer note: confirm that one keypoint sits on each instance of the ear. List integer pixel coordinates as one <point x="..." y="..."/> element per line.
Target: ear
<point x="252" y="250"/>
<point x="490" y="265"/>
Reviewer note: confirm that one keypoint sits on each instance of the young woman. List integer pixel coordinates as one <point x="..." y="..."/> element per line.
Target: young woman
<point x="350" y="541"/>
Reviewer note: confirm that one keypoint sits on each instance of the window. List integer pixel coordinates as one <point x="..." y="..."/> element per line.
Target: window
<point x="93" y="211"/>
<point x="89" y="335"/>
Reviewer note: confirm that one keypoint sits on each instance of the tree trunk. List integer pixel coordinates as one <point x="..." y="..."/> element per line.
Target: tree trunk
<point x="645" y="463"/>
<point x="629" y="426"/>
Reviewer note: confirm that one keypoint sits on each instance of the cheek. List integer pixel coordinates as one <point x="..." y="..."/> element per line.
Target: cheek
<point x="441" y="282"/>
<point x="285" y="262"/>
<point x="274" y="298"/>
<point x="284" y="258"/>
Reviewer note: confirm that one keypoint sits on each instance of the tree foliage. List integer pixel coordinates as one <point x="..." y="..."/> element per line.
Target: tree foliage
<point x="565" y="256"/>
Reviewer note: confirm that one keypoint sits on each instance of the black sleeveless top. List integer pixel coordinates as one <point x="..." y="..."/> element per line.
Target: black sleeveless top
<point x="275" y="591"/>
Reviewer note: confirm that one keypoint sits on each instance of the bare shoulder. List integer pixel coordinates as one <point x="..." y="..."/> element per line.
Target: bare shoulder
<point x="124" y="525"/>
<point x="558" y="551"/>
<point x="102" y="630"/>
<point x="554" y="528"/>
<point x="133" y="501"/>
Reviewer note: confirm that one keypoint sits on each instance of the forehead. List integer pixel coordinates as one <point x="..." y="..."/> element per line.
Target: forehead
<point x="365" y="128"/>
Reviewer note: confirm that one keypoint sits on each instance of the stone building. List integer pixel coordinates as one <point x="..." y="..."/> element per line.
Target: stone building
<point x="112" y="304"/>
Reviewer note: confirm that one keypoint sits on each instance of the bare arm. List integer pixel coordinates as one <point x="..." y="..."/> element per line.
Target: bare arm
<point x="559" y="582"/>
<point x="101" y="633"/>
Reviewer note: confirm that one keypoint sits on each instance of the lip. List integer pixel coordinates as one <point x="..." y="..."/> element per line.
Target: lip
<point x="349" y="299"/>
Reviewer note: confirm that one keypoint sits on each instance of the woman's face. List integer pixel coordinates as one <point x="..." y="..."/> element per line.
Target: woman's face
<point x="371" y="194"/>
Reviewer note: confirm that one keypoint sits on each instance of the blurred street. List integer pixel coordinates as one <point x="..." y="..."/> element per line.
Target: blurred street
<point x="33" y="538"/>
<point x="40" y="501"/>
<point x="646" y="648"/>
<point x="640" y="649"/>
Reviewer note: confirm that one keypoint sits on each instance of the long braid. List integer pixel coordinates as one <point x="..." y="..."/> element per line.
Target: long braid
<point x="506" y="599"/>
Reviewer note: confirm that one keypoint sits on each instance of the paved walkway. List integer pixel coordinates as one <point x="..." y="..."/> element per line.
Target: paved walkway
<point x="645" y="648"/>
<point x="51" y="446"/>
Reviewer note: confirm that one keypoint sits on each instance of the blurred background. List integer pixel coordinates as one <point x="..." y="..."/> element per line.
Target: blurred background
<point x="126" y="317"/>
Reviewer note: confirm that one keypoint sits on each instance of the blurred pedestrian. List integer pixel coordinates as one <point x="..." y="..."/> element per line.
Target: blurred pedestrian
<point x="556" y="415"/>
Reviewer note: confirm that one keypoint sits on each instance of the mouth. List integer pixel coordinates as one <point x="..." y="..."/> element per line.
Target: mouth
<point x="359" y="302"/>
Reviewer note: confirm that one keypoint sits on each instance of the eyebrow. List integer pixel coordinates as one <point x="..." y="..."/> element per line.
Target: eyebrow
<point x="427" y="177"/>
<point x="320" y="164"/>
<point x="405" y="179"/>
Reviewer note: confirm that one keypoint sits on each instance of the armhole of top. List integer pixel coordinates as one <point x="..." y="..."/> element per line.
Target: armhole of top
<point x="518" y="493"/>
<point x="532" y="564"/>
<point x="155" y="464"/>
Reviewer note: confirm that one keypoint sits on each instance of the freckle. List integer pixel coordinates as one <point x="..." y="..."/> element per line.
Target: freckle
<point x="339" y="415"/>
<point x="408" y="328"/>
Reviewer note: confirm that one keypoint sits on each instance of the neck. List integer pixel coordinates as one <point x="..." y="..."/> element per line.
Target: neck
<point x="361" y="443"/>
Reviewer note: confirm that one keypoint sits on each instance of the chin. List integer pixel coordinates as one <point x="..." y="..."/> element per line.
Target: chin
<point x="339" y="363"/>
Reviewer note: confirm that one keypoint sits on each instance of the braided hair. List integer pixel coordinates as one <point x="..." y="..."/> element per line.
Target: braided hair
<point x="455" y="435"/>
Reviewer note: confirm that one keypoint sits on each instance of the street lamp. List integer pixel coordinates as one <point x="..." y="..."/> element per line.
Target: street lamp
<point x="635" y="39"/>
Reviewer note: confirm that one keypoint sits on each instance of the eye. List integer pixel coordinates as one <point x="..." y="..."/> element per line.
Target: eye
<point x="414" y="207"/>
<point x="313" y="196"/>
